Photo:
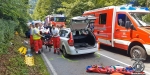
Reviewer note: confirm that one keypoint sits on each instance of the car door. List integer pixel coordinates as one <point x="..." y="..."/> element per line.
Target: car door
<point x="63" y="37"/>
<point x="122" y="35"/>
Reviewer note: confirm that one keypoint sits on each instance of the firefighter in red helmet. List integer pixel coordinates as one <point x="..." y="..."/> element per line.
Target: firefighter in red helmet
<point x="56" y="38"/>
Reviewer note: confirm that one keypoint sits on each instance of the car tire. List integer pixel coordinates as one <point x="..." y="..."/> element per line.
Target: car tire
<point x="92" y="53"/>
<point x="138" y="52"/>
<point x="64" y="52"/>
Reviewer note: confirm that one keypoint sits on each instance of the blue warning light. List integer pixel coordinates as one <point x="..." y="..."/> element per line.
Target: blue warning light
<point x="135" y="8"/>
<point x="122" y="8"/>
<point x="144" y="8"/>
<point x="131" y="8"/>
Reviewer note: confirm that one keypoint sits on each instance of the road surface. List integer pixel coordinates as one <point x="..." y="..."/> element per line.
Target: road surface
<point x="76" y="65"/>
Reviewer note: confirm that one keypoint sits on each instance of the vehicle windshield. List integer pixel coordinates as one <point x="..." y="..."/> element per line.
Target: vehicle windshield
<point x="60" y="19"/>
<point x="143" y="19"/>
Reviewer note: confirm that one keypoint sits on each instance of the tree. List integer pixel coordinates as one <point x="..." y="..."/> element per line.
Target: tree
<point x="41" y="9"/>
<point x="13" y="17"/>
<point x="76" y="7"/>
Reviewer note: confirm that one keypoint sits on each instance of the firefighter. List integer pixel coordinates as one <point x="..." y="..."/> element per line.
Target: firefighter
<point x="56" y="38"/>
<point x="37" y="39"/>
<point x="41" y="28"/>
<point x="31" y="35"/>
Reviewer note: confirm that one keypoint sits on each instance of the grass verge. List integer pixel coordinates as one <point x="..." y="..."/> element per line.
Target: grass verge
<point x="12" y="63"/>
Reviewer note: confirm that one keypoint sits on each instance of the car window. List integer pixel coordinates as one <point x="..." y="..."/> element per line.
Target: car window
<point x="76" y="32"/>
<point x="73" y="33"/>
<point x="63" y="33"/>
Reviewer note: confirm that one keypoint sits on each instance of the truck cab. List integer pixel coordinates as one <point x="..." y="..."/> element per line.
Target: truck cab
<point x="125" y="27"/>
<point x="58" y="19"/>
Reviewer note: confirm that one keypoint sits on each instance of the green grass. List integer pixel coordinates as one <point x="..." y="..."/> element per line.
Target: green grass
<point x="12" y="63"/>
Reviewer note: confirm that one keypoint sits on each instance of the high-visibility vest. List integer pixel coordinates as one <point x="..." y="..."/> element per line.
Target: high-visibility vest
<point x="35" y="36"/>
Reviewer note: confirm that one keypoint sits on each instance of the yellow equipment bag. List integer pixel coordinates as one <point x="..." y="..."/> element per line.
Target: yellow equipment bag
<point x="29" y="60"/>
<point x="22" y="50"/>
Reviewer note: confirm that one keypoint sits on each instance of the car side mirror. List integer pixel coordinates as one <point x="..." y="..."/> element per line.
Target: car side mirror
<point x="132" y="27"/>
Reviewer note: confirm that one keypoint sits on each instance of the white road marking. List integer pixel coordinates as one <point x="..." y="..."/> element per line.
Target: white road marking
<point x="118" y="61"/>
<point x="49" y="64"/>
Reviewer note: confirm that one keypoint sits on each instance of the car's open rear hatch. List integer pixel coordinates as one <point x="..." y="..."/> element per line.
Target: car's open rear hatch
<point x="81" y="22"/>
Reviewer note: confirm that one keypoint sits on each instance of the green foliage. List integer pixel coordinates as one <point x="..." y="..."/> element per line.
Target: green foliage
<point x="7" y="33"/>
<point x="76" y="7"/>
<point x="41" y="9"/>
<point x="13" y="17"/>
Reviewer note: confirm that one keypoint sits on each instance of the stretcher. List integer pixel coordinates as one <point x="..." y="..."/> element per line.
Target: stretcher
<point x="47" y="41"/>
<point x="111" y="69"/>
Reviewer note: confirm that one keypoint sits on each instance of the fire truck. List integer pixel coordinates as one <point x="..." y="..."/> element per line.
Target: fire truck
<point x="123" y="27"/>
<point x="59" y="19"/>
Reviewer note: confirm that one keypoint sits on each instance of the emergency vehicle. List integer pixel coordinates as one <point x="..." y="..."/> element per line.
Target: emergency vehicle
<point x="59" y="19"/>
<point x="123" y="27"/>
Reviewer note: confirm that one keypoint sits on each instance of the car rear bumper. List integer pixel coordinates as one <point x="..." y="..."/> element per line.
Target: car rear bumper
<point x="74" y="51"/>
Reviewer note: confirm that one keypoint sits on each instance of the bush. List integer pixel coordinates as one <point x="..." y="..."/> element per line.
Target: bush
<point x="6" y="34"/>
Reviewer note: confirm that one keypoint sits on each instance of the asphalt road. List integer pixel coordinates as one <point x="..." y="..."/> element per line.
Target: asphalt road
<point x="76" y="65"/>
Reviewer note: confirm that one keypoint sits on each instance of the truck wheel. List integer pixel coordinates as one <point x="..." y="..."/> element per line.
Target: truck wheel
<point x="138" y="52"/>
<point x="64" y="52"/>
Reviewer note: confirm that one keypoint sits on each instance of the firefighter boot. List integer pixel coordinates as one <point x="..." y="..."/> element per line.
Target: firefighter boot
<point x="58" y="51"/>
<point x="54" y="51"/>
<point x="39" y="52"/>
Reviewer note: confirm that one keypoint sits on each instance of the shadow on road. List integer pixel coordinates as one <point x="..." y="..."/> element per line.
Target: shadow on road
<point x="107" y="48"/>
<point x="83" y="56"/>
<point x="120" y="51"/>
<point x="114" y="50"/>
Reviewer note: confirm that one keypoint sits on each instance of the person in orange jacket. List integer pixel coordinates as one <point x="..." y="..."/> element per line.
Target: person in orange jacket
<point x="37" y="39"/>
<point x="56" y="38"/>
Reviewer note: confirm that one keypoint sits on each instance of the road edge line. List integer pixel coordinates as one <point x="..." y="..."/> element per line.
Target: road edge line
<point x="49" y="64"/>
<point x="119" y="61"/>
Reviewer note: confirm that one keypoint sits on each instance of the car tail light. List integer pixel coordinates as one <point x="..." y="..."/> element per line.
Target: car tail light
<point x="71" y="41"/>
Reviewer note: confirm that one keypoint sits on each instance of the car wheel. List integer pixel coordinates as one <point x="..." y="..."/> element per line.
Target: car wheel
<point x="92" y="53"/>
<point x="64" y="52"/>
<point x="138" y="52"/>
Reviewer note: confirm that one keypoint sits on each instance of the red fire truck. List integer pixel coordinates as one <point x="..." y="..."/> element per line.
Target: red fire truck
<point x="59" y="19"/>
